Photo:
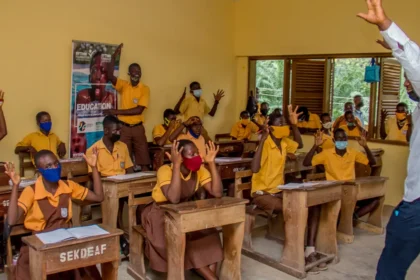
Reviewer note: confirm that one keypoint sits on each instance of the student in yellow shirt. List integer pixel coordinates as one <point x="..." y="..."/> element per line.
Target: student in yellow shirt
<point x="339" y="163"/>
<point x="326" y="132"/>
<point x="48" y="205"/>
<point x="243" y="129"/>
<point x="340" y="121"/>
<point x="43" y="139"/>
<point x="398" y="127"/>
<point x="161" y="132"/>
<point x="135" y="97"/>
<point x="261" y="117"/>
<point x="3" y="127"/>
<point x="308" y="122"/>
<point x="352" y="126"/>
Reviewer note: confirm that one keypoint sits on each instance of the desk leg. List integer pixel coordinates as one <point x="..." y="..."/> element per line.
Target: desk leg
<point x="348" y="203"/>
<point x="233" y="236"/>
<point x="326" y="240"/>
<point x="375" y="217"/>
<point x="37" y="265"/>
<point x="110" y="270"/>
<point x="175" y="243"/>
<point x="110" y="204"/>
<point x="295" y="218"/>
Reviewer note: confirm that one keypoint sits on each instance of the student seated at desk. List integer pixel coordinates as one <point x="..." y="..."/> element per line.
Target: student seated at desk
<point x="176" y="183"/>
<point x="308" y="121"/>
<point x="326" y="132"/>
<point x="194" y="129"/>
<point x="339" y="164"/>
<point x="161" y="132"/>
<point x="398" y="127"/>
<point x="47" y="206"/>
<point x="352" y="126"/>
<point x="261" y="117"/>
<point x="43" y="139"/>
<point x="340" y="121"/>
<point x="243" y="129"/>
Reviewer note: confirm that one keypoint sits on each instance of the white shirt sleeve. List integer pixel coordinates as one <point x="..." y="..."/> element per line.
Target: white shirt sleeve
<point x="406" y="52"/>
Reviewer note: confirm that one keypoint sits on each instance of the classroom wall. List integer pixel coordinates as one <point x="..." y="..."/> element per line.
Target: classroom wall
<point x="176" y="42"/>
<point x="394" y="166"/>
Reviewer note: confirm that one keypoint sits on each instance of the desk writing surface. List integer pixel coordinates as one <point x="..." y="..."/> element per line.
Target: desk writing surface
<point x="203" y="205"/>
<point x="364" y="180"/>
<point x="34" y="242"/>
<point x="131" y="177"/>
<point x="321" y="185"/>
<point x="233" y="160"/>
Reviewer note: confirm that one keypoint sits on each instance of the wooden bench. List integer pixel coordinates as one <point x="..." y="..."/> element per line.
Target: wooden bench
<point x="25" y="162"/>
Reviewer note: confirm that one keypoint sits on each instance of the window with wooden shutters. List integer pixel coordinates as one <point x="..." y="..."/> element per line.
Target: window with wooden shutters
<point x="389" y="89"/>
<point x="308" y="84"/>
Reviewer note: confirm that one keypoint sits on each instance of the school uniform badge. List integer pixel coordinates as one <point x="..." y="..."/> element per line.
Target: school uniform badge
<point x="122" y="164"/>
<point x="64" y="212"/>
<point x="135" y="100"/>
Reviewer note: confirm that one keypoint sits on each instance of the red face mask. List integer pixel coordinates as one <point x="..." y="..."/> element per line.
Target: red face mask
<point x="193" y="163"/>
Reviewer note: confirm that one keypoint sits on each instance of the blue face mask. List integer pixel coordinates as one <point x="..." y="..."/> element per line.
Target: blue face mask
<point x="341" y="145"/>
<point x="413" y="96"/>
<point x="193" y="134"/>
<point x="52" y="174"/>
<point x="197" y="92"/>
<point x="46" y="126"/>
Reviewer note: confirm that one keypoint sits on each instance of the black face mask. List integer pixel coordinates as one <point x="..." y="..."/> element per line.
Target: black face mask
<point x="361" y="104"/>
<point x="413" y="96"/>
<point x="115" y="138"/>
<point x="264" y="112"/>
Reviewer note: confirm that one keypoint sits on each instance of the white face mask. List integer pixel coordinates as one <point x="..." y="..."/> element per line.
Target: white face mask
<point x="197" y="92"/>
<point x="327" y="125"/>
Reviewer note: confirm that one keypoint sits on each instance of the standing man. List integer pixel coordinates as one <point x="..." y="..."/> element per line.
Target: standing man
<point x="358" y="104"/>
<point x="134" y="100"/>
<point x="402" y="244"/>
<point x="3" y="127"/>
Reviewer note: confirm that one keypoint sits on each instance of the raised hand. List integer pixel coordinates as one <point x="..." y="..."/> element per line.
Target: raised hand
<point x="376" y="14"/>
<point x="362" y="140"/>
<point x="172" y="124"/>
<point x="293" y="114"/>
<point x="118" y="50"/>
<point x="384" y="114"/>
<point x="318" y="141"/>
<point x="185" y="92"/>
<point x="1" y="97"/>
<point x="265" y="130"/>
<point x="211" y="152"/>
<point x="10" y="171"/>
<point x="175" y="156"/>
<point x="384" y="44"/>
<point x="190" y="121"/>
<point x="219" y="95"/>
<point x="93" y="159"/>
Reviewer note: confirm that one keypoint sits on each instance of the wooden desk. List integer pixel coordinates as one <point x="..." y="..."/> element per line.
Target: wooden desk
<point x="232" y="148"/>
<point x="76" y="168"/>
<point x="227" y="169"/>
<point x="59" y="257"/>
<point x="157" y="154"/>
<point x="360" y="189"/>
<point x="293" y="166"/>
<point x="116" y="189"/>
<point x="364" y="171"/>
<point x="186" y="217"/>
<point x="295" y="211"/>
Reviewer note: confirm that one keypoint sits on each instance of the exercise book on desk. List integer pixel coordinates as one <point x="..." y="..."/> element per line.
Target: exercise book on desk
<point x="294" y="186"/>
<point x="227" y="159"/>
<point x="65" y="234"/>
<point x="25" y="182"/>
<point x="137" y="175"/>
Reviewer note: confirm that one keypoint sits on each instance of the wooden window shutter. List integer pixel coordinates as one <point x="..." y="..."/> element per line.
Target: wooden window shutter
<point x="308" y="84"/>
<point x="389" y="90"/>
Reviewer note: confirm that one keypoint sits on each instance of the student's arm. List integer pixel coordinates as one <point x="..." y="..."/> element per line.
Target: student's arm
<point x="161" y="140"/>
<point x="178" y="105"/>
<point x="14" y="212"/>
<point x="293" y="118"/>
<point x="3" y="127"/>
<point x="61" y="149"/>
<point x="179" y="129"/>
<point x="317" y="143"/>
<point x="410" y="127"/>
<point x="256" y="161"/>
<point x="363" y="142"/>
<point x="215" y="186"/>
<point x="384" y="114"/>
<point x="25" y="146"/>
<point x="173" y="193"/>
<point x="97" y="194"/>
<point x="217" y="97"/>
<point x="111" y="66"/>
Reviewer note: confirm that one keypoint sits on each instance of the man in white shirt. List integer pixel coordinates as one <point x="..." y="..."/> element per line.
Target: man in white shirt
<point x="402" y="244"/>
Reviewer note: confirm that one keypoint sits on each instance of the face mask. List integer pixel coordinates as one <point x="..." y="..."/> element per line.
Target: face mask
<point x="193" y="163"/>
<point x="193" y="134"/>
<point x="413" y="96"/>
<point x="245" y="122"/>
<point x="264" y="112"/>
<point x="361" y="104"/>
<point x="167" y="121"/>
<point x="197" y="92"/>
<point x="401" y="116"/>
<point x="135" y="78"/>
<point x="327" y="125"/>
<point x="350" y="124"/>
<point x="341" y="145"/>
<point x="46" y="126"/>
<point x="51" y="175"/>
<point x="281" y="131"/>
<point x="115" y="137"/>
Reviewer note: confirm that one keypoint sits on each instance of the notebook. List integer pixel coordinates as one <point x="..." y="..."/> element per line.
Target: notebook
<point x="132" y="176"/>
<point x="65" y="234"/>
<point x="227" y="159"/>
<point x="25" y="182"/>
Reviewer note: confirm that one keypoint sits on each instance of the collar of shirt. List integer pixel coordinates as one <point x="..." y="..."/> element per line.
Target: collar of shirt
<point x="42" y="134"/>
<point x="101" y="146"/>
<point x="41" y="192"/>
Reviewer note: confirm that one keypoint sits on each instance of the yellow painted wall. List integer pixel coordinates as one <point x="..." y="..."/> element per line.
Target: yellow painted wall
<point x="281" y="27"/>
<point x="394" y="166"/>
<point x="176" y="42"/>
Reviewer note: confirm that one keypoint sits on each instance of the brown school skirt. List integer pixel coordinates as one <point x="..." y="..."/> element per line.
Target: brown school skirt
<point x="202" y="248"/>
<point x="269" y="203"/>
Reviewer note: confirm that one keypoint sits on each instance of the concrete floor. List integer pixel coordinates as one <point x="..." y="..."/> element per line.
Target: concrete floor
<point x="357" y="261"/>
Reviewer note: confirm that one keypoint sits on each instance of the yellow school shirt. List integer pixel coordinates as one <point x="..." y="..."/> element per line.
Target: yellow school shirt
<point x="393" y="132"/>
<point x="344" y="122"/>
<point x="28" y="201"/>
<point x="314" y="122"/>
<point x="352" y="133"/>
<point x="190" y="107"/>
<point x="199" y="142"/>
<point x="260" y="119"/>
<point x="40" y="141"/>
<point x="328" y="142"/>
<point x="158" y="131"/>
<point x="240" y="133"/>
<point x="271" y="172"/>
<point x="340" y="167"/>
<point x="132" y="97"/>
<point x="164" y="177"/>
<point x="110" y="164"/>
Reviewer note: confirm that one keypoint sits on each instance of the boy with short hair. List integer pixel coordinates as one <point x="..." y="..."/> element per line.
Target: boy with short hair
<point x="327" y="123"/>
<point x="243" y="129"/>
<point x="352" y="126"/>
<point x="308" y="121"/>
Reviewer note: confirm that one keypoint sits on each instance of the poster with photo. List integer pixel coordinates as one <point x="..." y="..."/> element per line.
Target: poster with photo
<point x="91" y="93"/>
